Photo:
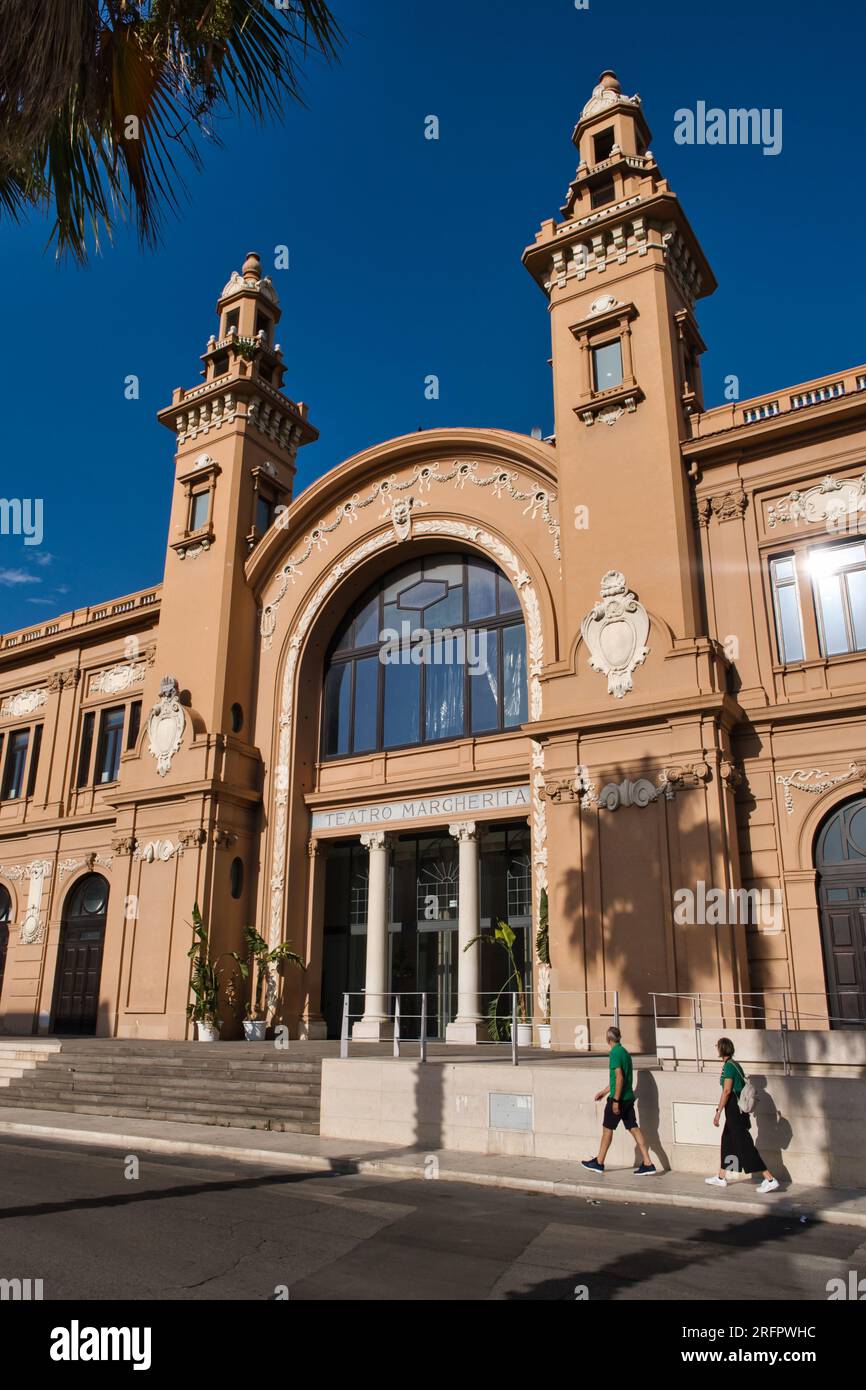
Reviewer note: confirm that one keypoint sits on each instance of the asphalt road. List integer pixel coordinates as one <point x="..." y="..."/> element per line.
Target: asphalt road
<point x="187" y="1229"/>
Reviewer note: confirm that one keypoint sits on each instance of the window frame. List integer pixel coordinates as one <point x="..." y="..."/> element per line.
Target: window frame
<point x="775" y="586"/>
<point x="6" y="793"/>
<point x="499" y="622"/>
<point x="840" y="574"/>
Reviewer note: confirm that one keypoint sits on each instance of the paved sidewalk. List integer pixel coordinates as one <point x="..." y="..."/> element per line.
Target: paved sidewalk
<point x="341" y="1156"/>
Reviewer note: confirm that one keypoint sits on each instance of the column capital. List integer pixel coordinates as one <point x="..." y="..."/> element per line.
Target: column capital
<point x="374" y="839"/>
<point x="463" y="830"/>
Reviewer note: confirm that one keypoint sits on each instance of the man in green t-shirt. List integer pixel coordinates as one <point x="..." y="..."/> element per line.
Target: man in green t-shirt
<point x="620" y="1106"/>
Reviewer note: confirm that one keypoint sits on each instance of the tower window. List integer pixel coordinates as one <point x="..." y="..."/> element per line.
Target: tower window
<point x="603" y="144"/>
<point x="263" y="322"/>
<point x="603" y="193"/>
<point x="232" y="320"/>
<point x="264" y="513"/>
<point x="607" y="366"/>
<point x="199" y="509"/>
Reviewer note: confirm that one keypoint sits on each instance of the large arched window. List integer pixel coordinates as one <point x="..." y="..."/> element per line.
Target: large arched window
<point x="435" y="650"/>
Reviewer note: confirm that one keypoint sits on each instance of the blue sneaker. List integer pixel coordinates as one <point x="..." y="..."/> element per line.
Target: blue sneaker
<point x="646" y="1170"/>
<point x="592" y="1165"/>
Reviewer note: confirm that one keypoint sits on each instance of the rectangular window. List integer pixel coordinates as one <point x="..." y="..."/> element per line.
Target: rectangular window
<point x="603" y="144"/>
<point x="16" y="761"/>
<point x="839" y="586"/>
<point x="110" y="745"/>
<point x="366" y="718"/>
<point x="83" y="779"/>
<point x="134" y="724"/>
<point x="338" y="690"/>
<point x="603" y="193"/>
<point x="199" y="510"/>
<point x="786" y="600"/>
<point x="34" y="760"/>
<point x="607" y="366"/>
<point x="263" y="322"/>
<point x="264" y="513"/>
<point x="232" y="320"/>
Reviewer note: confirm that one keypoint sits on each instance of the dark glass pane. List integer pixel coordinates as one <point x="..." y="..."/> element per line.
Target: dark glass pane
<point x="444" y="716"/>
<point x="337" y="689"/>
<point x="831" y="848"/>
<point x="402" y="702"/>
<point x="508" y="600"/>
<point x="514" y="675"/>
<point x="448" y="612"/>
<point x="366" y="703"/>
<point x="89" y="897"/>
<point x="135" y="722"/>
<point x="86" y="748"/>
<point x="264" y="512"/>
<point x="5" y="904"/>
<point x="34" y="759"/>
<point x="482" y="589"/>
<point x="837" y="895"/>
<point x="484" y="682"/>
<point x="857" y="832"/>
<point x="198" y="510"/>
<point x="367" y="624"/>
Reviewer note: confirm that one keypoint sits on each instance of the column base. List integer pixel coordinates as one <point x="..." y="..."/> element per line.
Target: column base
<point x="467" y="1031"/>
<point x="373" y="1030"/>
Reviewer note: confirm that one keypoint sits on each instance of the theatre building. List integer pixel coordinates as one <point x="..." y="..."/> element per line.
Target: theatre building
<point x="467" y="674"/>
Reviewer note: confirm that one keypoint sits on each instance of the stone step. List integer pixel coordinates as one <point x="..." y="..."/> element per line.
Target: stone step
<point x="243" y="1077"/>
<point x="229" y="1120"/>
<point x="130" y="1065"/>
<point x="223" y="1086"/>
<point x="302" y="1107"/>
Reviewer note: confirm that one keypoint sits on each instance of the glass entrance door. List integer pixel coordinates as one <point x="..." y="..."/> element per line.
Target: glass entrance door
<point x="437" y="976"/>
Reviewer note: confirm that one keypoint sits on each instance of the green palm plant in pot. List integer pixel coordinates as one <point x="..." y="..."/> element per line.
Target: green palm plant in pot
<point x="260" y="961"/>
<point x="499" y="1017"/>
<point x="204" y="983"/>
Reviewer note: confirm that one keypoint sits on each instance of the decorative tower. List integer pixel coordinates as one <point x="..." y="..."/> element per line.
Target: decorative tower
<point x="237" y="438"/>
<point x="622" y="272"/>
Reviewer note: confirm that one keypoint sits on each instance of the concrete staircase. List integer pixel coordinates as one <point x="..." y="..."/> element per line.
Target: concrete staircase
<point x="242" y="1085"/>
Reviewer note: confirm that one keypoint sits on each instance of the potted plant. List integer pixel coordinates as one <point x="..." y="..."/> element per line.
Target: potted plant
<point x="204" y="984"/>
<point x="499" y="1023"/>
<point x="542" y="953"/>
<point x="260" y="961"/>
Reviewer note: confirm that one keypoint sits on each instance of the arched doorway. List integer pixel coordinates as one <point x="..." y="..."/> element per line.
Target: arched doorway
<point x="79" y="962"/>
<point x="5" y="918"/>
<point x="840" y="858"/>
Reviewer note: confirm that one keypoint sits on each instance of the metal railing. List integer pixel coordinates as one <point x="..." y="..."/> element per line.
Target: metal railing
<point x="748" y="1010"/>
<point x="515" y="1024"/>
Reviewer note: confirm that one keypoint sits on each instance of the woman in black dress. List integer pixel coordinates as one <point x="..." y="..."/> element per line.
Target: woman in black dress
<point x="738" y="1153"/>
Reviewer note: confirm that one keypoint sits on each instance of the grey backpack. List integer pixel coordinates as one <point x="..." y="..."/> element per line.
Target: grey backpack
<point x="748" y="1097"/>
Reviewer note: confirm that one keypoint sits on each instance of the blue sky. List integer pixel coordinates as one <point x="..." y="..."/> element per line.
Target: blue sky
<point x="405" y="253"/>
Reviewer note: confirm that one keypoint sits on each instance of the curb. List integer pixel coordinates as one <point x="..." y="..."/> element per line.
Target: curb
<point x="646" y="1195"/>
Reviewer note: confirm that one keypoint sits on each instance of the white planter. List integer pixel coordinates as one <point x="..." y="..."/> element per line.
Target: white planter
<point x="524" y="1035"/>
<point x="207" y="1032"/>
<point x="255" y="1029"/>
<point x="544" y="1035"/>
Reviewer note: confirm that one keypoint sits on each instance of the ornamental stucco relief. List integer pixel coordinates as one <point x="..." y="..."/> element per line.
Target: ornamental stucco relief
<point x="165" y="725"/>
<point x="828" y="503"/>
<point x="502" y="483"/>
<point x="31" y="929"/>
<point x="615" y="632"/>
<point x="116" y="679"/>
<point x="22" y="703"/>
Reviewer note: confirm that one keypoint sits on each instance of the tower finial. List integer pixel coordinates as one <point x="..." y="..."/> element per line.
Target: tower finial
<point x="252" y="266"/>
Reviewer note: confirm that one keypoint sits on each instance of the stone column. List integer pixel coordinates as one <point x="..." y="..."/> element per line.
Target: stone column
<point x="375" y="1023"/>
<point x="469" y="1025"/>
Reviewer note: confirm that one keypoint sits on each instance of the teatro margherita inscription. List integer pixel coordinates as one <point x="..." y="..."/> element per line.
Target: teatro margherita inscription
<point x="424" y="808"/>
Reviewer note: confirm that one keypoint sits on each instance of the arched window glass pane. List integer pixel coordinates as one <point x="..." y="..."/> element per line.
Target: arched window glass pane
<point x="5" y="904"/>
<point x="831" y="848"/>
<point x="338" y="684"/>
<point x="514" y="675"/>
<point x="508" y="600"/>
<point x="366" y="703"/>
<point x="367" y="624"/>
<point x="484" y="682"/>
<point x="89" y="897"/>
<point x="402" y="704"/>
<point x="857" y="833"/>
<point x="482" y="589"/>
<point x="444" y="693"/>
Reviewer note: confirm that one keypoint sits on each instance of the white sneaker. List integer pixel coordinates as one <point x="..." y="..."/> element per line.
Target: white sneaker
<point x="768" y="1185"/>
<point x="719" y="1182"/>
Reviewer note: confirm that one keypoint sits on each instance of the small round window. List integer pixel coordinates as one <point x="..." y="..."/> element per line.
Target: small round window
<point x="237" y="877"/>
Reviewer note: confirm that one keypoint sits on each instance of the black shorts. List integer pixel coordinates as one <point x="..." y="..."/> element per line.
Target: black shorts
<point x="626" y="1114"/>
